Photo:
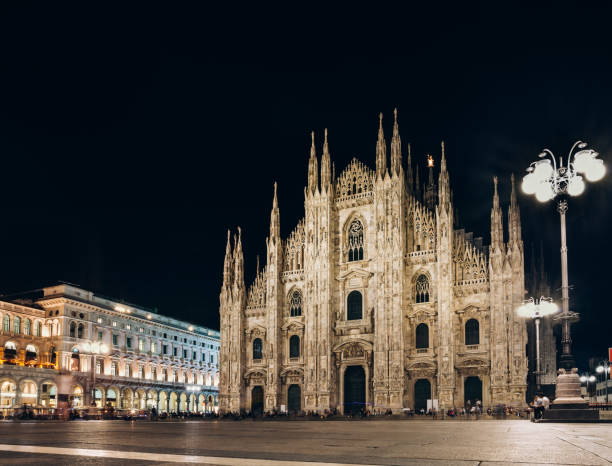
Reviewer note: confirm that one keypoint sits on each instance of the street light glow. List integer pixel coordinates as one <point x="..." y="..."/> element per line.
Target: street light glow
<point x="537" y="309"/>
<point x="599" y="369"/>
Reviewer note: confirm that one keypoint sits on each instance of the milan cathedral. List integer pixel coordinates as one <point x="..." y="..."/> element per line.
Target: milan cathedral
<point x="376" y="300"/>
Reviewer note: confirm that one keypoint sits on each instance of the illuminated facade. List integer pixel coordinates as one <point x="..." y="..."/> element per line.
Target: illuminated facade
<point x="376" y="299"/>
<point x="65" y="344"/>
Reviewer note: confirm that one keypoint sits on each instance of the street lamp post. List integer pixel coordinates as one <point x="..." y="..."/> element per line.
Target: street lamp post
<point x="551" y="180"/>
<point x="536" y="309"/>
<point x="604" y="368"/>
<point x="586" y="378"/>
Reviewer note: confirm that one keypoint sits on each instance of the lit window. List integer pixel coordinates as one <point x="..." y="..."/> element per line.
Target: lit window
<point x="128" y="327"/>
<point x="114" y="323"/>
<point x="141" y="329"/>
<point x="141" y="345"/>
<point x="99" y="320"/>
<point x="153" y="347"/>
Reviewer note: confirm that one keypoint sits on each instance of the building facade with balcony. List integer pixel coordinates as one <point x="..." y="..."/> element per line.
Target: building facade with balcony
<point x="377" y="300"/>
<point x="65" y="346"/>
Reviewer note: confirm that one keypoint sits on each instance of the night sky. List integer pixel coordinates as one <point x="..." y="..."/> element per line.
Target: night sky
<point x="131" y="139"/>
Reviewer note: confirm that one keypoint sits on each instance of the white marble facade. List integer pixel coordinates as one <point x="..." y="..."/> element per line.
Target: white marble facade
<point x="375" y="300"/>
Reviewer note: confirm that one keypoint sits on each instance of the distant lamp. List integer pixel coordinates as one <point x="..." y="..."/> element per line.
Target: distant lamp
<point x="583" y="378"/>
<point x="592" y="378"/>
<point x="599" y="369"/>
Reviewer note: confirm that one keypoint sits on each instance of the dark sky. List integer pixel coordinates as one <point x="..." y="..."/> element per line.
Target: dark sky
<point x="131" y="139"/>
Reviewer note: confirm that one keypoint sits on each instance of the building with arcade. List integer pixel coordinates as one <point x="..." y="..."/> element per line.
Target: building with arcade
<point x="65" y="346"/>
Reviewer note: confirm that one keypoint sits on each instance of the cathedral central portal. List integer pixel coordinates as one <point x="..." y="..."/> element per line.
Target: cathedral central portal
<point x="354" y="390"/>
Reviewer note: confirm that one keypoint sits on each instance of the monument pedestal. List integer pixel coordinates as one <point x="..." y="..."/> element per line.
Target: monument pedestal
<point x="569" y="406"/>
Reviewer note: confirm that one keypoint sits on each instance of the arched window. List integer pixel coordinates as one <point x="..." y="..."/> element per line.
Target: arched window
<point x="17" y="325"/>
<point x="422" y="336"/>
<point x="294" y="346"/>
<point x="472" y="332"/>
<point x="72" y="329"/>
<point x="421" y="290"/>
<point x="31" y="353"/>
<point x="354" y="306"/>
<point x="38" y="329"/>
<point x="257" y="349"/>
<point x="6" y="323"/>
<point x="10" y="350"/>
<point x="80" y="331"/>
<point x="27" y="327"/>
<point x="295" y="303"/>
<point x="355" y="241"/>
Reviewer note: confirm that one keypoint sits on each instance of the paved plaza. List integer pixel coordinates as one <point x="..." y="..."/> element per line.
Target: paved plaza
<point x="275" y="443"/>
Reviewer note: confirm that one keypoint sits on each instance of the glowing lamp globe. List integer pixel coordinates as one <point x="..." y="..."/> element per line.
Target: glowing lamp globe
<point x="599" y="369"/>
<point x="583" y="378"/>
<point x="592" y="379"/>
<point x="544" y="192"/>
<point x="530" y="184"/>
<point x="596" y="170"/>
<point x="583" y="159"/>
<point x="576" y="186"/>
<point x="543" y="170"/>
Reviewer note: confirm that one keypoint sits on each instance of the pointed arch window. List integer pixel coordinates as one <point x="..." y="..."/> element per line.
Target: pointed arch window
<point x="80" y="331"/>
<point x="6" y="323"/>
<point x="422" y="336"/>
<point x="472" y="332"/>
<point x="72" y="329"/>
<point x="295" y="303"/>
<point x="355" y="241"/>
<point x="257" y="348"/>
<point x="354" y="306"/>
<point x="38" y="329"/>
<point x="422" y="289"/>
<point x="27" y="327"/>
<point x="294" y="346"/>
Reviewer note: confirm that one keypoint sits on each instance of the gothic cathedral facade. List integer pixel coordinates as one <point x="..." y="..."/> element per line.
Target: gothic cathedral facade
<point x="375" y="300"/>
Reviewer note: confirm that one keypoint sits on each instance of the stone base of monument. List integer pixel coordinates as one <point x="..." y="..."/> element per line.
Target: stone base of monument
<point x="569" y="406"/>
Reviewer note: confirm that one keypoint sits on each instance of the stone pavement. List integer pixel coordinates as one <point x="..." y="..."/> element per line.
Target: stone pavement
<point x="301" y="443"/>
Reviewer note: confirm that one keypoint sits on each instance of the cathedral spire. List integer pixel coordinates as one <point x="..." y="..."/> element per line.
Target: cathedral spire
<point x="514" y="217"/>
<point x="381" y="150"/>
<point x="409" y="180"/>
<point x="444" y="196"/>
<point x="227" y="262"/>
<point x="238" y="263"/>
<point x="429" y="193"/>
<point x="325" y="166"/>
<point x="313" y="182"/>
<point x="275" y="218"/>
<point x="497" y="230"/>
<point x="396" y="147"/>
<point x="417" y="185"/>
